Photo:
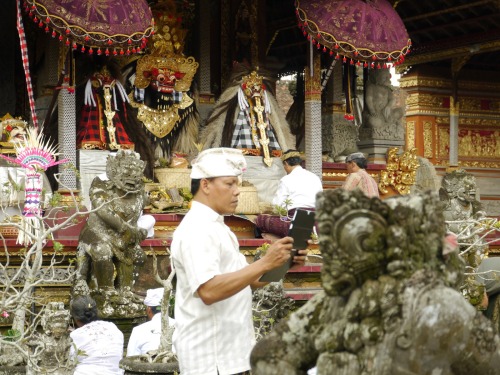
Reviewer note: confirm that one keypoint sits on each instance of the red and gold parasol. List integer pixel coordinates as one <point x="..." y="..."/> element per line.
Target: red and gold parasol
<point x="114" y="27"/>
<point x="368" y="32"/>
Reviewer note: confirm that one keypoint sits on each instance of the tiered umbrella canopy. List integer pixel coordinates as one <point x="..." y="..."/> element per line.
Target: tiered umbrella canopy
<point x="368" y="32"/>
<point x="114" y="27"/>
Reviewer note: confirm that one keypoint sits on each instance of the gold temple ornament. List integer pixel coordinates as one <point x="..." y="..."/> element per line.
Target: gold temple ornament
<point x="401" y="171"/>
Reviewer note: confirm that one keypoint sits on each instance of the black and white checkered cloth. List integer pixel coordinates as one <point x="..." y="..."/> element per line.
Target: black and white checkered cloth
<point x="242" y="136"/>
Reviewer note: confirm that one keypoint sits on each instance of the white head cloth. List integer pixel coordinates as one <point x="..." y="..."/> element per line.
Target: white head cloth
<point x="218" y="162"/>
<point x="153" y="297"/>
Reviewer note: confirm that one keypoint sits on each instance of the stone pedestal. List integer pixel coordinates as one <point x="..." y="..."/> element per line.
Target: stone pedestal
<point x="133" y="366"/>
<point x="376" y="149"/>
<point x="12" y="370"/>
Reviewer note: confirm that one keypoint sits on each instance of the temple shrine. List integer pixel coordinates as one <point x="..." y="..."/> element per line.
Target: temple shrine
<point x="259" y="62"/>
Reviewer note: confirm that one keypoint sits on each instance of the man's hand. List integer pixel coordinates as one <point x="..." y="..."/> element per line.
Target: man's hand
<point x="300" y="258"/>
<point x="278" y="253"/>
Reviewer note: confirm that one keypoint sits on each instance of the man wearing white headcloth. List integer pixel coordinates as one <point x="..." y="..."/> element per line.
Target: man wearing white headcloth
<point x="214" y="332"/>
<point x="146" y="337"/>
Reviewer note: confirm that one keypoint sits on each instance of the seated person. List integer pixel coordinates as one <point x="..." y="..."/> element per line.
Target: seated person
<point x="146" y="337"/>
<point x="358" y="177"/>
<point x="297" y="189"/>
<point x="98" y="345"/>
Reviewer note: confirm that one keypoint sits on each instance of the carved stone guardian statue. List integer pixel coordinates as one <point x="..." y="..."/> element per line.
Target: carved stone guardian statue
<point x="109" y="244"/>
<point x="390" y="303"/>
<point x="381" y="118"/>
<point x="50" y="349"/>
<point x="461" y="210"/>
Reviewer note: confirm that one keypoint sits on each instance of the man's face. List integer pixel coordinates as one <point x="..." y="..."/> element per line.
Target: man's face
<point x="223" y="193"/>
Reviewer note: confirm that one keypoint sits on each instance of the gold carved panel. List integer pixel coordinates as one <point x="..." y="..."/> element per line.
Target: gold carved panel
<point x="419" y="101"/>
<point x="469" y="121"/>
<point x="476" y="147"/>
<point x="428" y="140"/>
<point x="431" y="82"/>
<point x="313" y="84"/>
<point x="410" y="134"/>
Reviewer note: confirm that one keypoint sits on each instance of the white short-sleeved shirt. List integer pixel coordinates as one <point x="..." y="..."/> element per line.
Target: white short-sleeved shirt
<point x="214" y="339"/>
<point x="300" y="186"/>
<point x="146" y="336"/>
<point x="99" y="346"/>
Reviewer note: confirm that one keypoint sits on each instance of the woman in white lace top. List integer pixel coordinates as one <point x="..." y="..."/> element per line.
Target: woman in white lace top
<point x="98" y="345"/>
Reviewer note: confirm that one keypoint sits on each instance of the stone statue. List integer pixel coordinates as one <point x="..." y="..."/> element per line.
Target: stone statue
<point x="461" y="210"/>
<point x="458" y="195"/>
<point x="50" y="349"/>
<point x="381" y="118"/>
<point x="110" y="240"/>
<point x="390" y="303"/>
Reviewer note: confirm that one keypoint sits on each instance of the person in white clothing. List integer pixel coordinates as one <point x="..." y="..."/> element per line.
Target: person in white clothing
<point x="297" y="189"/>
<point x="214" y="332"/>
<point x="146" y="337"/>
<point x="98" y="345"/>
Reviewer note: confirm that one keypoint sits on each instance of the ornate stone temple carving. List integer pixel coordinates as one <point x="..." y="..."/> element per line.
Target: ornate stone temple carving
<point x="390" y="303"/>
<point x="109" y="244"/>
<point x="51" y="347"/>
<point x="381" y="118"/>
<point x="461" y="211"/>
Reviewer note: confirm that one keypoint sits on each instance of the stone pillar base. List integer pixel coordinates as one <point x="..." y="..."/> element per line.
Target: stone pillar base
<point x="134" y="366"/>
<point x="376" y="149"/>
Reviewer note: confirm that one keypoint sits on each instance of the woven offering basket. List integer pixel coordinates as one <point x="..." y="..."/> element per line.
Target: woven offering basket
<point x="173" y="177"/>
<point x="248" y="201"/>
<point x="9" y="231"/>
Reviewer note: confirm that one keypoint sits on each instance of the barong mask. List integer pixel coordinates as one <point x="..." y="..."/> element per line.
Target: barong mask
<point x="163" y="78"/>
<point x="13" y="129"/>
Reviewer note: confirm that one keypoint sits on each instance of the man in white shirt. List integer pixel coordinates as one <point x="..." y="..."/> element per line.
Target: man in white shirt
<point x="146" y="337"/>
<point x="297" y="189"/>
<point x="214" y="332"/>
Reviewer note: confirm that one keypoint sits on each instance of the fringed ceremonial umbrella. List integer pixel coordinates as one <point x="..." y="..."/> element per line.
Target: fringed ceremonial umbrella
<point x="35" y="154"/>
<point x="366" y="33"/>
<point x="115" y="27"/>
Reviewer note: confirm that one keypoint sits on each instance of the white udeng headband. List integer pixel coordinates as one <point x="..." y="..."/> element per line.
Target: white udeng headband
<point x="218" y="162"/>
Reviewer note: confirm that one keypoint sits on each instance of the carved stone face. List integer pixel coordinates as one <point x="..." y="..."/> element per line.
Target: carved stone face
<point x="362" y="238"/>
<point x="58" y="326"/>
<point x="358" y="253"/>
<point x="126" y="170"/>
<point x="460" y="185"/>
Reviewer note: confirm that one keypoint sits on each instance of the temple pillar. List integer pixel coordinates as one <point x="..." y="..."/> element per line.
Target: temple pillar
<point x="206" y="97"/>
<point x="456" y="65"/>
<point x="67" y="135"/>
<point x="312" y="106"/>
<point x="454" y="117"/>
